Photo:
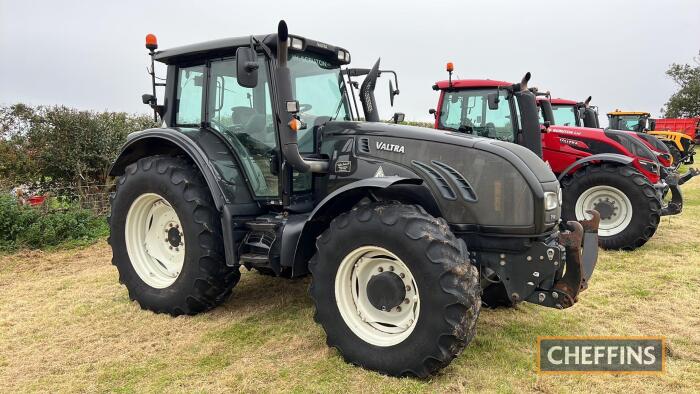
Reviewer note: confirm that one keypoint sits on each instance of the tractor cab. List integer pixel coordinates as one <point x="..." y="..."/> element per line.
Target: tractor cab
<point x="630" y="121"/>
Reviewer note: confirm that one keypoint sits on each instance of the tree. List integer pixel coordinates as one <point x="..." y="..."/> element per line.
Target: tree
<point x="61" y="144"/>
<point x="685" y="103"/>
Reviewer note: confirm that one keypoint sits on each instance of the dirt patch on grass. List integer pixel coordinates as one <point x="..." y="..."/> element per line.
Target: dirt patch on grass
<point x="67" y="325"/>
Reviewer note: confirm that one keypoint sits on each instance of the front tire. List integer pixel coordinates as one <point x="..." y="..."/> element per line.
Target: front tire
<point x="627" y="202"/>
<point x="166" y="238"/>
<point x="394" y="289"/>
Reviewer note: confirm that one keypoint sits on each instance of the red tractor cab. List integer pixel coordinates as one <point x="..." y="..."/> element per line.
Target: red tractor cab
<point x="610" y="171"/>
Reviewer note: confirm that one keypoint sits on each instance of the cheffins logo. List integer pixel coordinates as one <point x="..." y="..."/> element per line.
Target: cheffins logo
<point x="624" y="355"/>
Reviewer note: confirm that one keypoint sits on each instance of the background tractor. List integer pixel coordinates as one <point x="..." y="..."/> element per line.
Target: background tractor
<point x="612" y="172"/>
<point x="680" y="144"/>
<point x="582" y="114"/>
<point x="259" y="163"/>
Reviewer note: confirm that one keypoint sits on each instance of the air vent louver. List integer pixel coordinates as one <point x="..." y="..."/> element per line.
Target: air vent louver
<point x="363" y="145"/>
<point x="465" y="189"/>
<point x="444" y="187"/>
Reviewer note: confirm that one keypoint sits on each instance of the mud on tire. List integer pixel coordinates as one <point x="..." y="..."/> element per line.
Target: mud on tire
<point x="645" y="204"/>
<point x="446" y="282"/>
<point x="205" y="280"/>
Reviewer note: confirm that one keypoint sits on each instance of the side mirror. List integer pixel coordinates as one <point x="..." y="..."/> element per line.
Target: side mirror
<point x="432" y="112"/>
<point x="247" y="67"/>
<point x="398" y="117"/>
<point x="392" y="92"/>
<point x="148" y="99"/>
<point x="493" y="101"/>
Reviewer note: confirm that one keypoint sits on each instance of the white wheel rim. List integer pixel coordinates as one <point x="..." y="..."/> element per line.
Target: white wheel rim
<point x="155" y="240"/>
<point x="611" y="223"/>
<point x="374" y="326"/>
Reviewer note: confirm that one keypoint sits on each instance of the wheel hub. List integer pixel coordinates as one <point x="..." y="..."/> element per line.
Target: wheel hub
<point x="386" y="291"/>
<point x="606" y="208"/>
<point x="174" y="236"/>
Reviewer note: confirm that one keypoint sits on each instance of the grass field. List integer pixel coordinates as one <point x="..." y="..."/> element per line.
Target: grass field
<point x="66" y="325"/>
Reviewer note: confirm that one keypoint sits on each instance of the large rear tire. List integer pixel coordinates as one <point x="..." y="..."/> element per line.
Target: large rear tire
<point x="394" y="289"/>
<point x="627" y="202"/>
<point x="166" y="238"/>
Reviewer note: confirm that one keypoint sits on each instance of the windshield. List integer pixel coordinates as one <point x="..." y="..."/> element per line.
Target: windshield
<point x="564" y="115"/>
<point x="468" y="111"/>
<point x="316" y="84"/>
<point x="629" y="122"/>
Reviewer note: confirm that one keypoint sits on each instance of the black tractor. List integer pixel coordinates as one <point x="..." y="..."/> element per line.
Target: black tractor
<point x="259" y="163"/>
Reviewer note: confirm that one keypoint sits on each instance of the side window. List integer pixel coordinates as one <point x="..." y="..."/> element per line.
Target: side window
<point x="451" y="114"/>
<point x="189" y="95"/>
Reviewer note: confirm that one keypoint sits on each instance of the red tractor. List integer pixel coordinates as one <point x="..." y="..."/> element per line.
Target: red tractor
<point x="610" y="171"/>
<point x="581" y="114"/>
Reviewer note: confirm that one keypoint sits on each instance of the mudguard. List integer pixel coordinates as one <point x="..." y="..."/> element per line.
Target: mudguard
<point x="204" y="148"/>
<point x="299" y="245"/>
<point x="609" y="157"/>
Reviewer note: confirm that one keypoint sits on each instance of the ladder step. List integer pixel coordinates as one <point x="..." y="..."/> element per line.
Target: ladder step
<point x="254" y="259"/>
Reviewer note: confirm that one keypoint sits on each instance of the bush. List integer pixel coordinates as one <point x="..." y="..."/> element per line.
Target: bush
<point x="30" y="227"/>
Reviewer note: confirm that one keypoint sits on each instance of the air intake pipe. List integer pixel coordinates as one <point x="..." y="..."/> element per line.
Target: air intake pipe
<point x="288" y="108"/>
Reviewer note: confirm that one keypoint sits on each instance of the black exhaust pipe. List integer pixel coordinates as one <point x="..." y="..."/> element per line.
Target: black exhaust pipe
<point x="531" y="136"/>
<point x="288" y="136"/>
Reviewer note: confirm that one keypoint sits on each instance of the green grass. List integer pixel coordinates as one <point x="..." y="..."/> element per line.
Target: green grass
<point x="66" y="325"/>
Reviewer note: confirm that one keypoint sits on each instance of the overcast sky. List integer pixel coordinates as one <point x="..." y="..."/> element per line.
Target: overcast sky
<point x="91" y="55"/>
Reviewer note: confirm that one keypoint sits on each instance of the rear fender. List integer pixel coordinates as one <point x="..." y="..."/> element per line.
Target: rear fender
<point x="299" y="242"/>
<point x="602" y="157"/>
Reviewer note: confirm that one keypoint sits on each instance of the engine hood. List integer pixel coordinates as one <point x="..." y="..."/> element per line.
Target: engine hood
<point x="522" y="158"/>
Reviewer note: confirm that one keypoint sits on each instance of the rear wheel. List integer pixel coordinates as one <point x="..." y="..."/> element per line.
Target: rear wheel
<point x="627" y="202"/>
<point x="394" y="289"/>
<point x="166" y="238"/>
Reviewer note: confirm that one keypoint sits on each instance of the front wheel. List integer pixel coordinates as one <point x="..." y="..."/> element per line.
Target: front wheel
<point x="394" y="289"/>
<point x="627" y="202"/>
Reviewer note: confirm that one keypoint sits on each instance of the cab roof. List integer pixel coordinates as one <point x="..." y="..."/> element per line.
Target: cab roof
<point x="561" y="101"/>
<point x="225" y="47"/>
<point x="471" y="83"/>
<point x="623" y="113"/>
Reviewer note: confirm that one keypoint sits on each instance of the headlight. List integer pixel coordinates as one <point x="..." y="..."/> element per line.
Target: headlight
<point x="551" y="200"/>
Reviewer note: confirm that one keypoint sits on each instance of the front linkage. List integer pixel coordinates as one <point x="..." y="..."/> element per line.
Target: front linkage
<point x="537" y="274"/>
<point x="671" y="183"/>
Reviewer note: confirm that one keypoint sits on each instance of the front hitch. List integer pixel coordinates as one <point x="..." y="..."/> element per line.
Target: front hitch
<point x="579" y="264"/>
<point x="673" y="181"/>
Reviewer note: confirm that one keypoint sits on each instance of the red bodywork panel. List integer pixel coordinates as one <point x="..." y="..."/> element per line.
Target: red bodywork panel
<point x="665" y="161"/>
<point x="561" y="145"/>
<point x="689" y="126"/>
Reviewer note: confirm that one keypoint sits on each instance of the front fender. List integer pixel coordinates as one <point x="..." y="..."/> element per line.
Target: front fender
<point x="604" y="157"/>
<point x="299" y="245"/>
